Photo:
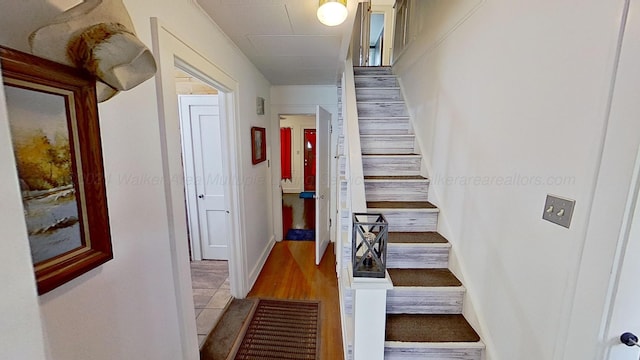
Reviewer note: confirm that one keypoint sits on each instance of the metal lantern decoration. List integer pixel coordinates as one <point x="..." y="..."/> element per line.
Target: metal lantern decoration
<point x="369" y="247"/>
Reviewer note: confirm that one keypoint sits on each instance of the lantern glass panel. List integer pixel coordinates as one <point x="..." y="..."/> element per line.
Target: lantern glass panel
<point x="369" y="247"/>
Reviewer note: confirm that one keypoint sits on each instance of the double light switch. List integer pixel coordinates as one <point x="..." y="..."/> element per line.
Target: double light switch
<point x="558" y="210"/>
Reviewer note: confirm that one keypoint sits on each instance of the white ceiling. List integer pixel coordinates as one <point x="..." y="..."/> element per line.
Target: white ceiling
<point x="284" y="38"/>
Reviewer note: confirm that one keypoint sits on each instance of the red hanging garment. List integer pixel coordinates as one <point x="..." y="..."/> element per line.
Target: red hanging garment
<point x="285" y="153"/>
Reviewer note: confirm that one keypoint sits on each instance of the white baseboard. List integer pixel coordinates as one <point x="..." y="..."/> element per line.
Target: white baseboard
<point x="255" y="272"/>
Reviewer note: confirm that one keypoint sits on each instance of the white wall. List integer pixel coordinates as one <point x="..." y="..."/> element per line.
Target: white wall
<point x="297" y="123"/>
<point x="126" y="309"/>
<point x="21" y="326"/>
<point x="299" y="99"/>
<point x="509" y="102"/>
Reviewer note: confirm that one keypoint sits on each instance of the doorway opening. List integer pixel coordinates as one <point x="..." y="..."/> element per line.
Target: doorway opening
<point x="376" y="39"/>
<point x="299" y="135"/>
<point x="374" y="33"/>
<point x="172" y="52"/>
<point x="298" y="178"/>
<point x="202" y="130"/>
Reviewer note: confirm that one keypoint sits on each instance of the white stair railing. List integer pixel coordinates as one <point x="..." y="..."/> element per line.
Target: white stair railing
<point x="353" y="150"/>
<point x="362" y="300"/>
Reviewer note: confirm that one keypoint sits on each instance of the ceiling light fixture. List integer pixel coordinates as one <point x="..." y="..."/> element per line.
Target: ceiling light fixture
<point x="332" y="12"/>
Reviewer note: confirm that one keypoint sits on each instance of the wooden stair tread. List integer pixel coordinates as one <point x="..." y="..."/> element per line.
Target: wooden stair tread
<point x="429" y="328"/>
<point x="408" y="177"/>
<point x="400" y="205"/>
<point x="427" y="237"/>
<point x="423" y="277"/>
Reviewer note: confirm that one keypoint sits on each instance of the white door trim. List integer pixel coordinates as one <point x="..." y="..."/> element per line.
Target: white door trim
<point x="169" y="51"/>
<point x="622" y="255"/>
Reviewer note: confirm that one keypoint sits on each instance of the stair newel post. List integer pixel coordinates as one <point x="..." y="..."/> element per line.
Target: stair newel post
<point x="370" y="282"/>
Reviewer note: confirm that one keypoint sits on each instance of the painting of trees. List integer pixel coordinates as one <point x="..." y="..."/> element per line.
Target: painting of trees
<point x="44" y="164"/>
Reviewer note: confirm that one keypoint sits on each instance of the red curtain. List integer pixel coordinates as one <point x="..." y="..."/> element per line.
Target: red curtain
<point x="285" y="153"/>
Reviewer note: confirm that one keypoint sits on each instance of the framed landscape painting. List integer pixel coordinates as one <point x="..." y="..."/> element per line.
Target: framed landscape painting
<point x="55" y="135"/>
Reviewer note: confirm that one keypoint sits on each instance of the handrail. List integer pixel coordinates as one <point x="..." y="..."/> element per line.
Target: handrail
<point x="354" y="201"/>
<point x="353" y="151"/>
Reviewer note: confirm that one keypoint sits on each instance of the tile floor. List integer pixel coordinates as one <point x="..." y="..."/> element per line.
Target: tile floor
<point x="211" y="293"/>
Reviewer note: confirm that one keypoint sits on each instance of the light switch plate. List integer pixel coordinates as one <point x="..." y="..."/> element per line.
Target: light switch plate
<point x="558" y="210"/>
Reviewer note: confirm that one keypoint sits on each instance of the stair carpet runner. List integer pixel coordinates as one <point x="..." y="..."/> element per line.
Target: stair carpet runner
<point x="424" y="308"/>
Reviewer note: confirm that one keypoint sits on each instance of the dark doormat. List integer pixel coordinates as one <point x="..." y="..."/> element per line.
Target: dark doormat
<point x="282" y="329"/>
<point x="301" y="234"/>
<point x="220" y="343"/>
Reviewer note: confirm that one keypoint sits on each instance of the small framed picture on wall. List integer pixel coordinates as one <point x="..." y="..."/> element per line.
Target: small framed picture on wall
<point x="260" y="106"/>
<point x="258" y="145"/>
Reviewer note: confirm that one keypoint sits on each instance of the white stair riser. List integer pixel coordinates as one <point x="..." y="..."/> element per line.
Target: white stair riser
<point x="423" y="300"/>
<point x="409" y="220"/>
<point x="382" y="94"/>
<point x="382" y="109"/>
<point x="384" y="126"/>
<point x="437" y="353"/>
<point x="396" y="190"/>
<point x="387" y="144"/>
<point x="375" y="81"/>
<point x="391" y="165"/>
<point x="371" y="70"/>
<point x="417" y="256"/>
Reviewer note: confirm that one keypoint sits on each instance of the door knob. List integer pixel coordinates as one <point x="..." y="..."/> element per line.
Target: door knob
<point x="629" y="339"/>
<point x="201" y="196"/>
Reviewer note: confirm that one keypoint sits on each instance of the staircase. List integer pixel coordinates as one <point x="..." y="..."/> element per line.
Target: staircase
<point x="424" y="309"/>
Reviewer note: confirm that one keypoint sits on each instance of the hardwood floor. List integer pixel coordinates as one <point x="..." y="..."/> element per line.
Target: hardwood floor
<point x="291" y="273"/>
<point x="297" y="213"/>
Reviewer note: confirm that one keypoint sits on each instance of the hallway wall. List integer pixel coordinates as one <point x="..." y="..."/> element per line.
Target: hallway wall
<point x="21" y="326"/>
<point x="126" y="309"/>
<point x="509" y="106"/>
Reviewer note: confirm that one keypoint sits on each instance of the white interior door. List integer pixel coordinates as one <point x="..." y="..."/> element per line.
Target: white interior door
<point x="323" y="121"/>
<point x="205" y="176"/>
<point x="625" y="310"/>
